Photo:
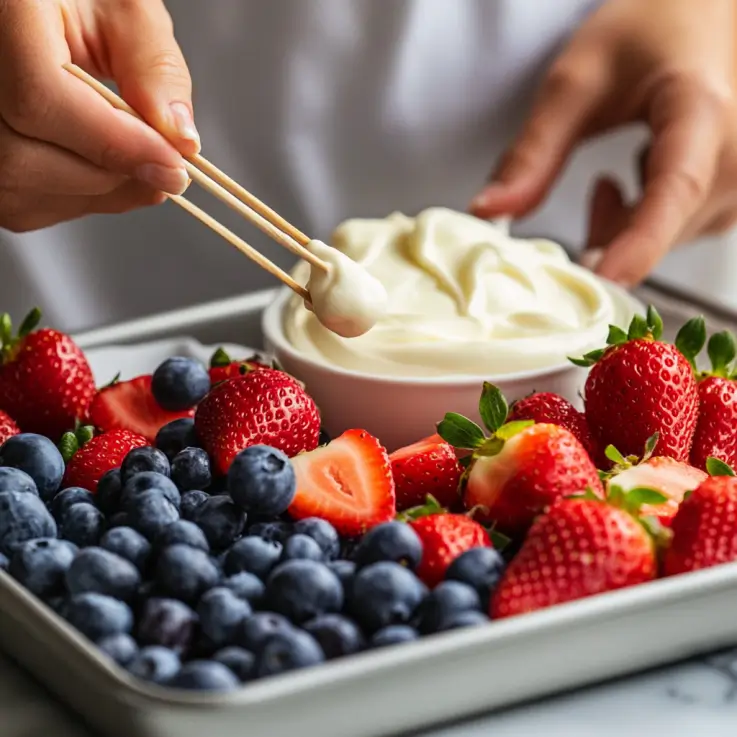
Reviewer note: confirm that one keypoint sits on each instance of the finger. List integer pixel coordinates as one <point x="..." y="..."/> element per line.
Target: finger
<point x="527" y="171"/>
<point x="150" y="70"/>
<point x="687" y="127"/>
<point x="41" y="100"/>
<point x="608" y="215"/>
<point x="35" y="166"/>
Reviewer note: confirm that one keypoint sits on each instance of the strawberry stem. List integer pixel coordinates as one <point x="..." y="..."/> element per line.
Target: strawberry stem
<point x="220" y="358"/>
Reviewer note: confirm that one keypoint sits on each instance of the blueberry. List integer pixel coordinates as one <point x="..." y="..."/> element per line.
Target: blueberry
<point x="185" y="573"/>
<point x="277" y="531"/>
<point x="301" y="547"/>
<point x="241" y="662"/>
<point x="102" y="572"/>
<point x="480" y="568"/>
<point x="385" y="593"/>
<point x="337" y="635"/>
<point x="176" y="436"/>
<point x="4" y="562"/>
<point x="322" y="532"/>
<point x="151" y="514"/>
<point x="252" y="554"/>
<point x="256" y="630"/>
<point x="120" y="648"/>
<point x="144" y="459"/>
<point x="261" y="480"/>
<point x="191" y="502"/>
<point x="246" y="586"/>
<point x="392" y="541"/>
<point x="345" y="570"/>
<point x="445" y="600"/>
<point x="190" y="469"/>
<point x="221" y="613"/>
<point x="182" y="532"/>
<point x="109" y="488"/>
<point x="128" y="544"/>
<point x="67" y="498"/>
<point x="38" y="457"/>
<point x="394" y="634"/>
<point x="142" y="484"/>
<point x="83" y="524"/>
<point x="168" y="623"/>
<point x="119" y="519"/>
<point x="13" y="479"/>
<point x="23" y="517"/>
<point x="220" y="520"/>
<point x="285" y="651"/>
<point x="204" y="675"/>
<point x="458" y="620"/>
<point x="41" y="565"/>
<point x="302" y="590"/>
<point x="180" y="383"/>
<point x="155" y="664"/>
<point x="97" y="616"/>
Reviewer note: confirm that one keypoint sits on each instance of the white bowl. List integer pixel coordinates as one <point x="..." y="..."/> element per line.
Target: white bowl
<point x="401" y="410"/>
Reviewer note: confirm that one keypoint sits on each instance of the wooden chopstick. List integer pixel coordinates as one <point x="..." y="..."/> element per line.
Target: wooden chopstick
<point x="267" y="219"/>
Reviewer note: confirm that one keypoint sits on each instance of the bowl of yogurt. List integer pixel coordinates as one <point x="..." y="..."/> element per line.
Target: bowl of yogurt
<point x="463" y="302"/>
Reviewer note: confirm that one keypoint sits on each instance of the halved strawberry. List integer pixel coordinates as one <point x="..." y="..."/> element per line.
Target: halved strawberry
<point x="347" y="482"/>
<point x="130" y="405"/>
<point x="427" y="467"/>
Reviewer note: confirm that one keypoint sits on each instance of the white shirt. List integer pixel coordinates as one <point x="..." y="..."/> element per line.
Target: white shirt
<point x="326" y="109"/>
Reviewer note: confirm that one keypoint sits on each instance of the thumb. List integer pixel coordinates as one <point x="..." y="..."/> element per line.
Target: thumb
<point x="149" y="69"/>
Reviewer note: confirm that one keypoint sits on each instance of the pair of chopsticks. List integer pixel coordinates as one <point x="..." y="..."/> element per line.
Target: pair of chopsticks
<point x="219" y="184"/>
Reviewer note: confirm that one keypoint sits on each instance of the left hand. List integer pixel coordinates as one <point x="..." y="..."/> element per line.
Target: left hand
<point x="670" y="64"/>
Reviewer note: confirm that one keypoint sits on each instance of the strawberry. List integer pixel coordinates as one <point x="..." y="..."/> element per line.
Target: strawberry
<point x="265" y="407"/>
<point x="130" y="405"/>
<point x="444" y="537"/>
<point x="46" y="384"/>
<point x="581" y="547"/>
<point x="705" y="527"/>
<point x="88" y="462"/>
<point x="715" y="435"/>
<point x="521" y="469"/>
<point x="639" y="386"/>
<point x="347" y="482"/>
<point x="223" y="367"/>
<point x="8" y="428"/>
<point x="553" y="409"/>
<point x="427" y="467"/>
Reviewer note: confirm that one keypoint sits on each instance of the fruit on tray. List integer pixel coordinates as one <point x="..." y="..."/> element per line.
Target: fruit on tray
<point x="522" y="468"/>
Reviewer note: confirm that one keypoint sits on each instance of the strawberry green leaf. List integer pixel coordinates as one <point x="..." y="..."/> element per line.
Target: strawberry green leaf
<point x="588" y="495"/>
<point x="650" y="444"/>
<point x="430" y="507"/>
<point x="500" y="542"/>
<point x="588" y="359"/>
<point x="635" y="498"/>
<point x="654" y="322"/>
<point x="722" y="350"/>
<point x="687" y="494"/>
<point x="465" y="462"/>
<point x="113" y="382"/>
<point x="68" y="446"/>
<point x="84" y="434"/>
<point x="510" y="429"/>
<point x="691" y="339"/>
<point x="6" y="329"/>
<point x="715" y="467"/>
<point x="615" y="496"/>
<point x="219" y="358"/>
<point x="660" y="534"/>
<point x="638" y="328"/>
<point x="614" y="455"/>
<point x="30" y="323"/>
<point x="492" y="407"/>
<point x="616" y="336"/>
<point x="490" y="447"/>
<point x="460" y="432"/>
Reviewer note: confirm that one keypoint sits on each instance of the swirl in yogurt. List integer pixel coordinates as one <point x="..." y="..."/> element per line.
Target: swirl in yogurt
<point x="464" y="297"/>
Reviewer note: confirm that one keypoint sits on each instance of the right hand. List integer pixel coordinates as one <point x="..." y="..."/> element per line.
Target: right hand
<point x="65" y="152"/>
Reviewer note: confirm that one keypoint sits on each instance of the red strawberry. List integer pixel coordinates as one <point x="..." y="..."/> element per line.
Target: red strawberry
<point x="579" y="548"/>
<point x="639" y="386"/>
<point x="715" y="430"/>
<point x="262" y="407"/>
<point x="8" y="428"/>
<point x="553" y="409"/>
<point x="522" y="469"/>
<point x="705" y="528"/>
<point x="428" y="467"/>
<point x="223" y="367"/>
<point x="46" y="384"/>
<point x="444" y="537"/>
<point x="98" y="456"/>
<point x="130" y="405"/>
<point x="347" y="482"/>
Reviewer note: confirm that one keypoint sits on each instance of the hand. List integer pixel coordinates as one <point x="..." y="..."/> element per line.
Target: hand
<point x="64" y="151"/>
<point x="669" y="63"/>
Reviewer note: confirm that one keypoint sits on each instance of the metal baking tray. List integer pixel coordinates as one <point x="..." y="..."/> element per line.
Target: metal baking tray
<point x="387" y="692"/>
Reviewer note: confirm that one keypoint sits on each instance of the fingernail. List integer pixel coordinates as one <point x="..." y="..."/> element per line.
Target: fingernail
<point x="166" y="178"/>
<point x="591" y="258"/>
<point x="184" y="123"/>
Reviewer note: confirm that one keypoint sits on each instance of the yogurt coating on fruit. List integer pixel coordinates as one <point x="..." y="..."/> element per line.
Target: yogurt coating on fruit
<point x="345" y="297"/>
<point x="464" y="297"/>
